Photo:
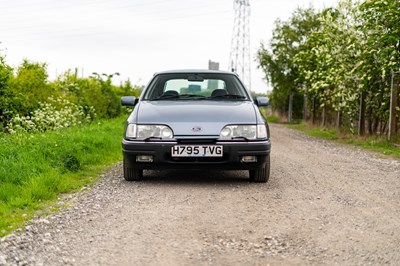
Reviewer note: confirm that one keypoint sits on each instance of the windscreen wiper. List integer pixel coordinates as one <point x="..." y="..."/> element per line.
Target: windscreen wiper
<point x="230" y="96"/>
<point x="192" y="96"/>
<point x="166" y="97"/>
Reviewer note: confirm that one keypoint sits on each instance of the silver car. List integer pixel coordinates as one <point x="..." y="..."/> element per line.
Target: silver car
<point x="196" y="120"/>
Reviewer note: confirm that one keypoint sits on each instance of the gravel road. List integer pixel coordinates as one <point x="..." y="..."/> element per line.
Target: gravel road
<point x="324" y="204"/>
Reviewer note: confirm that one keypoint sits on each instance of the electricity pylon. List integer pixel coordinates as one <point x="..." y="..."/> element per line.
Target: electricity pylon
<point x="239" y="58"/>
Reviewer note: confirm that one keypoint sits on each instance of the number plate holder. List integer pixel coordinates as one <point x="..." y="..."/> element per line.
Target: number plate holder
<point x="197" y="151"/>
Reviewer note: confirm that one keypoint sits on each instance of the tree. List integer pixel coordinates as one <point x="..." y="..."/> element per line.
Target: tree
<point x="381" y="29"/>
<point x="6" y="73"/>
<point x="127" y="89"/>
<point x="30" y="86"/>
<point x="278" y="61"/>
<point x="110" y="104"/>
<point x="326" y="64"/>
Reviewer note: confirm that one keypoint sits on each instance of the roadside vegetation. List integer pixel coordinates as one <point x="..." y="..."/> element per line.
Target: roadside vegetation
<point x="36" y="167"/>
<point x="55" y="136"/>
<point x="338" y="67"/>
<point x="30" y="102"/>
<point x="378" y="144"/>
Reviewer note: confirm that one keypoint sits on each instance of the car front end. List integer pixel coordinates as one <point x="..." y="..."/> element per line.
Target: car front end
<point x="195" y="131"/>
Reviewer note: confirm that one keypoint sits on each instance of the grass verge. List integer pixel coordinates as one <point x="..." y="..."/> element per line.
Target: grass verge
<point x="373" y="143"/>
<point x="273" y="119"/>
<point x="36" y="168"/>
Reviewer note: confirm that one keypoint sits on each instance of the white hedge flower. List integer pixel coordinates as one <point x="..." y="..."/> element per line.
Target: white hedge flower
<point x="54" y="114"/>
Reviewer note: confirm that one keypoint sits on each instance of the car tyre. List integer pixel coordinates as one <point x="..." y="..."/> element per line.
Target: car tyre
<point x="261" y="175"/>
<point x="132" y="174"/>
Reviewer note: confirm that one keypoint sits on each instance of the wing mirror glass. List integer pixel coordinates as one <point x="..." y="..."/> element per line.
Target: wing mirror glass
<point x="129" y="100"/>
<point x="262" y="101"/>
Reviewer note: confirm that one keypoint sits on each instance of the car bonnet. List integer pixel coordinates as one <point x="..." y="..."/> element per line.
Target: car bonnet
<point x="187" y="118"/>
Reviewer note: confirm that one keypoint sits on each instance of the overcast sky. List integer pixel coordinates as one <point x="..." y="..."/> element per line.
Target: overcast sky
<point x="134" y="37"/>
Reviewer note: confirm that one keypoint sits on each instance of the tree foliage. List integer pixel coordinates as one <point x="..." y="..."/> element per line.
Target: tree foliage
<point x="278" y="63"/>
<point x="30" y="102"/>
<point x="341" y="62"/>
<point x="30" y="86"/>
<point x="6" y="73"/>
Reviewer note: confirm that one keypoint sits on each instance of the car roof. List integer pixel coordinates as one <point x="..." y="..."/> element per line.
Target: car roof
<point x="195" y="71"/>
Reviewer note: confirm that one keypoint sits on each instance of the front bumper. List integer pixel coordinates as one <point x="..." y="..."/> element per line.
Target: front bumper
<point x="162" y="159"/>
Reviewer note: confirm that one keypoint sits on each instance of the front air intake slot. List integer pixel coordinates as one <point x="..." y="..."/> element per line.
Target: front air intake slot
<point x="193" y="140"/>
<point x="196" y="141"/>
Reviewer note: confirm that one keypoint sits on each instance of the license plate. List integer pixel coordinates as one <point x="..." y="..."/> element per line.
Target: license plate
<point x="197" y="151"/>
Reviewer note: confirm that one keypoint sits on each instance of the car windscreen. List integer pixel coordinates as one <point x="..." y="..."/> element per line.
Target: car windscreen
<point x="183" y="86"/>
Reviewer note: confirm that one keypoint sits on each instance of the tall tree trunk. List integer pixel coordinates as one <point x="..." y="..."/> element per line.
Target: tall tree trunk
<point x="314" y="110"/>
<point x="370" y="123"/>
<point x="393" y="105"/>
<point x="361" y="118"/>
<point x="290" y="112"/>
<point x="383" y="128"/>
<point x="375" y="126"/>
<point x="323" y="118"/>
<point x="397" y="125"/>
<point x="305" y="106"/>
<point x="338" y="120"/>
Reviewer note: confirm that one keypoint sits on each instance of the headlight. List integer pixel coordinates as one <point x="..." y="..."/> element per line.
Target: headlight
<point x="149" y="131"/>
<point x="250" y="132"/>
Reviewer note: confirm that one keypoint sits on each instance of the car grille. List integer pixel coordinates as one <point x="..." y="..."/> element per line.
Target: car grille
<point x="196" y="141"/>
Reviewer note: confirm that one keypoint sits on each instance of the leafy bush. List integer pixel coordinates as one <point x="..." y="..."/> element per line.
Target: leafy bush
<point x="30" y="86"/>
<point x="55" y="114"/>
<point x="96" y="91"/>
<point x="6" y="73"/>
<point x="29" y="102"/>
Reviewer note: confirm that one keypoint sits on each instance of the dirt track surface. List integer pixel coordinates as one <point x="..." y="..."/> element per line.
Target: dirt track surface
<point x="324" y="204"/>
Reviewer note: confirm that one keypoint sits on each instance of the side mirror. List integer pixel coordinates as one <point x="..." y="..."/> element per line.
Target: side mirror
<point x="261" y="101"/>
<point x="129" y="100"/>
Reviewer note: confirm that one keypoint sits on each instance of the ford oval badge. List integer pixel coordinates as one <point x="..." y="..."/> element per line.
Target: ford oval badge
<point x="197" y="129"/>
